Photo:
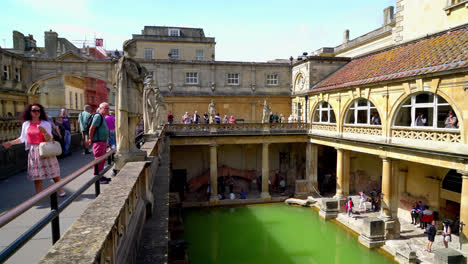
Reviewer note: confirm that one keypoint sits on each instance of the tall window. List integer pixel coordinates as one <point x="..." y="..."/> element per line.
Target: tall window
<point x="426" y="110"/>
<point x="324" y="114"/>
<point x="362" y="112"/>
<point x="148" y="54"/>
<point x="81" y="100"/>
<point x="174" y="32"/>
<point x="175" y="54"/>
<point x="18" y="74"/>
<point x="191" y="77"/>
<point x="70" y="98"/>
<point x="6" y="72"/>
<point x="76" y="100"/>
<point x="272" y="79"/>
<point x="199" y="54"/>
<point x="233" y="78"/>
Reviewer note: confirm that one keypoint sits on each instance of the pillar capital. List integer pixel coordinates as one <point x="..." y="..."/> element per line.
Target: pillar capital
<point x="385" y="158"/>
<point x="214" y="145"/>
<point x="266" y="143"/>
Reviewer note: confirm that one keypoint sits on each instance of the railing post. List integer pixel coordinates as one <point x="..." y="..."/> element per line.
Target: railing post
<point x="56" y="221"/>
<point x="97" y="184"/>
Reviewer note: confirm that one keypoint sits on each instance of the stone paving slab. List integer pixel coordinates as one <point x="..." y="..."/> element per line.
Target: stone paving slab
<point x="17" y="189"/>
<point x="411" y="235"/>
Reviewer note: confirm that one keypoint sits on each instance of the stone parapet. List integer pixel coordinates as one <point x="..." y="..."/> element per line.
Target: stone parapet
<point x="109" y="230"/>
<point x="449" y="255"/>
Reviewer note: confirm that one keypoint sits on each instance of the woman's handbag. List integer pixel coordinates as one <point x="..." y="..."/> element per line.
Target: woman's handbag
<point x="49" y="149"/>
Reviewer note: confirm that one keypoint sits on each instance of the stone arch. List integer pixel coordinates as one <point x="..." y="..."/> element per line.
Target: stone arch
<point x="316" y="104"/>
<point x="403" y="97"/>
<point x="296" y="78"/>
<point x="32" y="89"/>
<point x="347" y="105"/>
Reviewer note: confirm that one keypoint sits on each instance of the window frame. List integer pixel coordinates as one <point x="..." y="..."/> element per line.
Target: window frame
<point x="272" y="79"/>
<point x="191" y="80"/>
<point x="198" y="56"/>
<point x="174" y="54"/>
<point x="434" y="105"/>
<point x="172" y="30"/>
<point x="322" y="109"/>
<point x="231" y="79"/>
<point x="354" y="106"/>
<point x="18" y="74"/>
<point x="149" y="56"/>
<point x="6" y="72"/>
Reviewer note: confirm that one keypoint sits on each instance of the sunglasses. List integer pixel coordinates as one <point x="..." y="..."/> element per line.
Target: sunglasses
<point x="35" y="111"/>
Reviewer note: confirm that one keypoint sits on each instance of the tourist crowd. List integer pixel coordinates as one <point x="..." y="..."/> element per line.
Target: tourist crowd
<point x="196" y="118"/>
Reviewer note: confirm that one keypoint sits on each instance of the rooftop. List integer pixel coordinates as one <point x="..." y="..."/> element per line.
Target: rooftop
<point x="444" y="51"/>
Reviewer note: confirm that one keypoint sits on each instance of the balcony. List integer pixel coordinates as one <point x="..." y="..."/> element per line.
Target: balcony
<point x="201" y="130"/>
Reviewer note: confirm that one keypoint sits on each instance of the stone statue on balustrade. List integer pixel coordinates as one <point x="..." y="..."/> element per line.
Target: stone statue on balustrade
<point x="154" y="112"/>
<point x="129" y="104"/>
<point x="212" y="111"/>
<point x="266" y="112"/>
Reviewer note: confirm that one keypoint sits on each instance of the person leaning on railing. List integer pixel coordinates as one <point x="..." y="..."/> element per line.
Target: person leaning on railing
<point x="36" y="129"/>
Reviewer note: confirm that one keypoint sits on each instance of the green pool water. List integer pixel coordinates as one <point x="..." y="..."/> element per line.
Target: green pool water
<point x="273" y="234"/>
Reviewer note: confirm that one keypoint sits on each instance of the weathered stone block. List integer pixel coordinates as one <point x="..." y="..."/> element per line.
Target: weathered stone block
<point x="405" y="256"/>
<point x="448" y="255"/>
<point x="373" y="231"/>
<point x="328" y="208"/>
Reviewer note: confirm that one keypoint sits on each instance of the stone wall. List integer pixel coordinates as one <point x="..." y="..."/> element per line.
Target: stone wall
<point x="110" y="228"/>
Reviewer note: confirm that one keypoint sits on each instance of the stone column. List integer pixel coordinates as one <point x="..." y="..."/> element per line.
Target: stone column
<point x="342" y="173"/>
<point x="311" y="167"/>
<point x="265" y="195"/>
<point x="213" y="172"/>
<point x="464" y="207"/>
<point x="392" y="225"/>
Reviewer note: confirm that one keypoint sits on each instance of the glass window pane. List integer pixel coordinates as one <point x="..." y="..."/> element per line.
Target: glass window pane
<point x="332" y="117"/>
<point x="324" y="116"/>
<point x="349" y="117"/>
<point x="443" y="118"/>
<point x="375" y="118"/>
<point x="362" y="117"/>
<point x="316" y="116"/>
<point x="362" y="102"/>
<point x="324" y="105"/>
<point x="427" y="113"/>
<point x="403" y="117"/>
<point x="424" y="98"/>
<point x="421" y="117"/>
<point x="441" y="100"/>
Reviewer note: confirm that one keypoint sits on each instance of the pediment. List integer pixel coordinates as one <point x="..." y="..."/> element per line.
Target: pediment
<point x="71" y="56"/>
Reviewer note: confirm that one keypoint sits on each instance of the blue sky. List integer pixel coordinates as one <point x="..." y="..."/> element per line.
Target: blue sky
<point x="244" y="30"/>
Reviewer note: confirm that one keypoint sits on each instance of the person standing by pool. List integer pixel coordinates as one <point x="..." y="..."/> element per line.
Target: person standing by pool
<point x="349" y="207"/>
<point x="446" y="233"/>
<point x="36" y="129"/>
<point x="431" y="232"/>
<point x="362" y="201"/>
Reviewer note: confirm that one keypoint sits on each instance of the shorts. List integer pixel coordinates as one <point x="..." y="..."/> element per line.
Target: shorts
<point x="431" y="238"/>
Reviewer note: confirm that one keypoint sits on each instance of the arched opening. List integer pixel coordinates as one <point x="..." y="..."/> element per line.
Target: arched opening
<point x="324" y="113"/>
<point x="362" y="112"/>
<point x="299" y="83"/>
<point x="426" y="110"/>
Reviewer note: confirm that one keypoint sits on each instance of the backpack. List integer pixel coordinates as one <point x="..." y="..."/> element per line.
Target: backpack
<point x="90" y="121"/>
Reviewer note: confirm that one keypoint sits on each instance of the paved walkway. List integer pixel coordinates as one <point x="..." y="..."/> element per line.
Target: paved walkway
<point x="17" y="189"/>
<point x="412" y="236"/>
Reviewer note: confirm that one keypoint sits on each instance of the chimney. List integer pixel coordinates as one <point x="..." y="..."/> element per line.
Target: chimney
<point x="30" y="42"/>
<point x="388" y="15"/>
<point x="346" y="36"/>
<point x="18" y="41"/>
<point x="50" y="41"/>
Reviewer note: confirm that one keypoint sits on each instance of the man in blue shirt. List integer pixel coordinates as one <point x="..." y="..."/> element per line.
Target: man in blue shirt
<point x="66" y="124"/>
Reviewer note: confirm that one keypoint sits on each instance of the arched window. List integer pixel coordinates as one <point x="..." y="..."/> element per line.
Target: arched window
<point x="426" y="110"/>
<point x="324" y="113"/>
<point x="362" y="112"/>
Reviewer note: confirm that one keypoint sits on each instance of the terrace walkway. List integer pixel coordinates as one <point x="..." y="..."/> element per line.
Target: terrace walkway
<point x="17" y="189"/>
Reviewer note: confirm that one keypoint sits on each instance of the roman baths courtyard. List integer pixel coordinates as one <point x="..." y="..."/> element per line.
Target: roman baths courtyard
<point x="343" y="155"/>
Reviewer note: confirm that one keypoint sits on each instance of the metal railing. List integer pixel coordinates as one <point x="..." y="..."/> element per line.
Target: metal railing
<point x="56" y="208"/>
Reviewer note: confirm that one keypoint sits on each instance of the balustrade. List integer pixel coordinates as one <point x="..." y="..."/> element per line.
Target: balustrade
<point x="363" y="130"/>
<point x="440" y="135"/>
